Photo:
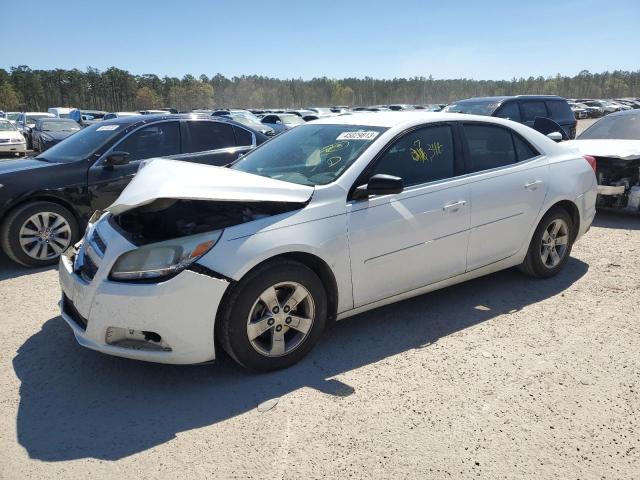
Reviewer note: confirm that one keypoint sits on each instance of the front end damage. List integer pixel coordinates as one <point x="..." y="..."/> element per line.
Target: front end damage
<point x="133" y="286"/>
<point x="618" y="183"/>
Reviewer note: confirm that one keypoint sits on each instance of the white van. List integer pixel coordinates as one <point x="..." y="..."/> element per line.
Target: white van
<point x="60" y="112"/>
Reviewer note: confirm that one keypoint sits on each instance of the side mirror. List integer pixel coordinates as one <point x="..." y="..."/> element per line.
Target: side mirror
<point x="117" y="158"/>
<point x="555" y="136"/>
<point x="379" y="184"/>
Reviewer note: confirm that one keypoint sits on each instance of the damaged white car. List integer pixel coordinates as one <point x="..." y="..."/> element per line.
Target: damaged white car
<point x="327" y="220"/>
<point x="614" y="142"/>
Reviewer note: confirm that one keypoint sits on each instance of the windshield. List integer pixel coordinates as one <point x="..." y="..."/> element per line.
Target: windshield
<point x="311" y="154"/>
<point x="34" y="118"/>
<point x="473" y="108"/>
<point x="82" y="144"/>
<point x="12" y="116"/>
<point x="60" y="126"/>
<point x="291" y="119"/>
<point x="620" y="127"/>
<point x="246" y="120"/>
<point x="6" y="126"/>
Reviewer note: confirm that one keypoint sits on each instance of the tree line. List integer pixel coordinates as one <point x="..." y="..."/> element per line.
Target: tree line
<point x="114" y="89"/>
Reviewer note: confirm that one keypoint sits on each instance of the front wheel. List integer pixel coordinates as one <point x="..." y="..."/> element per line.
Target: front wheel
<point x="550" y="246"/>
<point x="274" y="316"/>
<point x="36" y="234"/>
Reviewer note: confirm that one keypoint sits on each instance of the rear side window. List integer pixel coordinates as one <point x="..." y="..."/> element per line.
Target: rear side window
<point x="523" y="149"/>
<point x="209" y="136"/>
<point x="560" y="110"/>
<point x="533" y="109"/>
<point x="156" y="140"/>
<point x="510" y="111"/>
<point x="489" y="147"/>
<point x="421" y="156"/>
<point x="243" y="137"/>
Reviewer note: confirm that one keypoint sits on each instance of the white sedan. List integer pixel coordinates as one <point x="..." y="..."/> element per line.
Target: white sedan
<point x="327" y="220"/>
<point x="11" y="140"/>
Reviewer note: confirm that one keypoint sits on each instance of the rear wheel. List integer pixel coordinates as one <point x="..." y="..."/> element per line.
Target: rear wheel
<point x="550" y="246"/>
<point x="274" y="316"/>
<point x="36" y="234"/>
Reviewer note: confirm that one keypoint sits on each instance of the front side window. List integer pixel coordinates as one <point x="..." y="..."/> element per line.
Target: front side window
<point x="533" y="109"/>
<point x="209" y="135"/>
<point x="510" y="111"/>
<point x="310" y="154"/>
<point x="489" y="146"/>
<point x="156" y="140"/>
<point x="421" y="156"/>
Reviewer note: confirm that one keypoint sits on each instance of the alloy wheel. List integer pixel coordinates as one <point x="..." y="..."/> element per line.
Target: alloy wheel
<point x="554" y="243"/>
<point x="280" y="319"/>
<point x="45" y="235"/>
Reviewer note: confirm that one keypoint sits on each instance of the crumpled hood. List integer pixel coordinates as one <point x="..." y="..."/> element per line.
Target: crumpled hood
<point x="176" y="179"/>
<point x="624" y="149"/>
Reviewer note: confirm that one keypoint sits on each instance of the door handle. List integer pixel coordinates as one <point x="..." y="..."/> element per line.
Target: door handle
<point x="533" y="185"/>
<point x="454" y="207"/>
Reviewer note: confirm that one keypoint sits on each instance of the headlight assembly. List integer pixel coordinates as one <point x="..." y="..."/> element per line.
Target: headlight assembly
<point x="162" y="259"/>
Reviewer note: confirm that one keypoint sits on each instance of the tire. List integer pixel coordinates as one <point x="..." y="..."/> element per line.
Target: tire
<point x="52" y="228"/>
<point x="245" y="311"/>
<point x="540" y="261"/>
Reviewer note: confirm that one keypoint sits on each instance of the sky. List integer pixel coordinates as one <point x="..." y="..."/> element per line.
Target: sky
<point x="479" y="39"/>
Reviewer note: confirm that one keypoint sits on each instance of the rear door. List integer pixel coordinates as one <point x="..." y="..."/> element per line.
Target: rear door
<point x="404" y="241"/>
<point x="159" y="139"/>
<point x="213" y="143"/>
<point x="508" y="184"/>
<point x="561" y="113"/>
<point x="530" y="109"/>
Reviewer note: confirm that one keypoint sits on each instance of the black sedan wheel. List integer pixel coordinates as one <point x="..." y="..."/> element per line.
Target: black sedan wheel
<point x="36" y="234"/>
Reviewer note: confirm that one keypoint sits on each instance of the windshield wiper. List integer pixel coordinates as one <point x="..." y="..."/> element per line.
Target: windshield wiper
<point x="42" y="159"/>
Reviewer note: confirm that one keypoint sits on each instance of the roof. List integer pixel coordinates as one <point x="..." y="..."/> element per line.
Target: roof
<point x="507" y="97"/>
<point x="392" y="119"/>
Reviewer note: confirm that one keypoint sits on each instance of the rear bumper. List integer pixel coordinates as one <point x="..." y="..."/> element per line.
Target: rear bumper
<point x="181" y="310"/>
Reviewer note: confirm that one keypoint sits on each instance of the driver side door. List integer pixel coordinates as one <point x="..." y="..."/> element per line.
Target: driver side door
<point x="404" y="241"/>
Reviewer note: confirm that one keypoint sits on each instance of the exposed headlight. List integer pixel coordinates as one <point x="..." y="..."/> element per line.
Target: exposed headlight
<point x="162" y="259"/>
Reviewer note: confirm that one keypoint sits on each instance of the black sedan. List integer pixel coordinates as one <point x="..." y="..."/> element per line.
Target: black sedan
<point x="45" y="201"/>
<point x="49" y="131"/>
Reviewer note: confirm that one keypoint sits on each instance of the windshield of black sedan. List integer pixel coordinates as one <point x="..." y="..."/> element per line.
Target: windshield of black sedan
<point x="619" y="127"/>
<point x="312" y="154"/>
<point x="60" y="126"/>
<point x="81" y="145"/>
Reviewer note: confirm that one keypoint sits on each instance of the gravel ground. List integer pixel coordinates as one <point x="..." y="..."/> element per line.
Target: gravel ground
<point x="500" y="377"/>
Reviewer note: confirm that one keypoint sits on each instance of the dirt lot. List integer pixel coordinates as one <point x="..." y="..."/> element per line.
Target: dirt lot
<point x="501" y="377"/>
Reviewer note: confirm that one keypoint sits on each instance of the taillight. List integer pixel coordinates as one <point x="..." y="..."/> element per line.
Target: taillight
<point x="591" y="161"/>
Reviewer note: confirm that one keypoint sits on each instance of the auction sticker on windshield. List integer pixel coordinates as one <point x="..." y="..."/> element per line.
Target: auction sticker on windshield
<point x="104" y="128"/>
<point x="368" y="135"/>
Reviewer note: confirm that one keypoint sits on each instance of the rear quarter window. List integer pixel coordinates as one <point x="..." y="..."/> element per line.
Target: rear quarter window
<point x="560" y="110"/>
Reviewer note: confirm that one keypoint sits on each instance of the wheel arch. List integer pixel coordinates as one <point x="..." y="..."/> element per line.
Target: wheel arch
<point x="319" y="266"/>
<point x="42" y="198"/>
<point x="572" y="209"/>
